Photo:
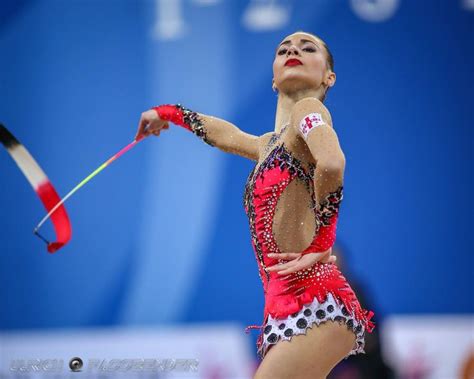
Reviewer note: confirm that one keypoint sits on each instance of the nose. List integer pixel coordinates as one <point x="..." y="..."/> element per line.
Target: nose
<point x="292" y="49"/>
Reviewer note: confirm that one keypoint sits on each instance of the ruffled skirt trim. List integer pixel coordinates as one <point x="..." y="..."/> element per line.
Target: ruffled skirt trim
<point x="314" y="313"/>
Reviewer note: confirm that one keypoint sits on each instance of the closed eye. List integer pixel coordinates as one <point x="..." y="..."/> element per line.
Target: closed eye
<point x="308" y="49"/>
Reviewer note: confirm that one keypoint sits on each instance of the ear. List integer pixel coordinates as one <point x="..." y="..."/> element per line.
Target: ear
<point x="330" y="79"/>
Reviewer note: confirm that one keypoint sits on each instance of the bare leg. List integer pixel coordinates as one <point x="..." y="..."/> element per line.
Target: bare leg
<point x="310" y="356"/>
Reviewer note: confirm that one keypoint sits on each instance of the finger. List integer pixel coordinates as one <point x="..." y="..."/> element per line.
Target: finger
<point x="149" y="130"/>
<point x="329" y="259"/>
<point x="327" y="253"/>
<point x="285" y="255"/>
<point x="317" y="256"/>
<point x="291" y="270"/>
<point x="326" y="258"/>
<point x="280" y="266"/>
<point x="141" y="127"/>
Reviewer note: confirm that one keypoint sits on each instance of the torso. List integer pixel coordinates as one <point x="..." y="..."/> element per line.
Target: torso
<point x="279" y="200"/>
<point x="294" y="222"/>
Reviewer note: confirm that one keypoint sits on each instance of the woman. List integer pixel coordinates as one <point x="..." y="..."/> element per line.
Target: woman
<point x="292" y="199"/>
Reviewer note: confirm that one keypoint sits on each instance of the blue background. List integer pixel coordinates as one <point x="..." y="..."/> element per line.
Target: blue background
<point x="161" y="236"/>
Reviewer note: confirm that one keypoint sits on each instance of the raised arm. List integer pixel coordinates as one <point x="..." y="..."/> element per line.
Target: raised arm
<point x="212" y="130"/>
<point x="313" y="123"/>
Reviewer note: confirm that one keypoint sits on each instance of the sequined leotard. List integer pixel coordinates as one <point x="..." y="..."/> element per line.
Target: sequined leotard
<point x="296" y="301"/>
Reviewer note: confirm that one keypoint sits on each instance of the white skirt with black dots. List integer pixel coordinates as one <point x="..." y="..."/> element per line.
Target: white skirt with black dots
<point x="277" y="329"/>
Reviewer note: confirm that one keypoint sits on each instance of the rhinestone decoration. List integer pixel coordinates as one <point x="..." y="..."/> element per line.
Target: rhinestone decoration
<point x="330" y="206"/>
<point x="192" y="119"/>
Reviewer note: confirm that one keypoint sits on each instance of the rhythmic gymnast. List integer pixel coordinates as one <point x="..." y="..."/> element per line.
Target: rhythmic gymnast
<point x="312" y="318"/>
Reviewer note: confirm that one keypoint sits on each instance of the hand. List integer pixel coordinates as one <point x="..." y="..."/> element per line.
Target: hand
<point x="150" y="123"/>
<point x="299" y="261"/>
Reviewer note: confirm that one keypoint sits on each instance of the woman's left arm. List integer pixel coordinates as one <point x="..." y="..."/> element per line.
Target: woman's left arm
<point x="312" y="121"/>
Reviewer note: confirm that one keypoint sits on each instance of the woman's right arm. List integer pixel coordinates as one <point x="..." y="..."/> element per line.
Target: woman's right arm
<point x="212" y="130"/>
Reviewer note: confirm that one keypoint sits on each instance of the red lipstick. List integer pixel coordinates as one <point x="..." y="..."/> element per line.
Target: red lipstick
<point x="293" y="62"/>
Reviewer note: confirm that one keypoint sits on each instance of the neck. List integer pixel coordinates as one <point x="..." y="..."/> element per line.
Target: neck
<point x="286" y="102"/>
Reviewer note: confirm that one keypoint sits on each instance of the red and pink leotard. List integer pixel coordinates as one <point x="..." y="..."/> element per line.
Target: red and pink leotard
<point x="285" y="296"/>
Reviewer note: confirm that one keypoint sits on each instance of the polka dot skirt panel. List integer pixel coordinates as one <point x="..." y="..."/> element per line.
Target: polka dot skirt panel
<point x="311" y="314"/>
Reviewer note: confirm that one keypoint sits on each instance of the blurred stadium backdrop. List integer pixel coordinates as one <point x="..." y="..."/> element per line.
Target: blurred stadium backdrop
<point x="161" y="264"/>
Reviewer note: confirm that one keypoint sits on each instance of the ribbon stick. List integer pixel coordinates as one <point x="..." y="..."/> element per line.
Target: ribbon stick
<point x="58" y="206"/>
<point x="41" y="185"/>
<point x="45" y="190"/>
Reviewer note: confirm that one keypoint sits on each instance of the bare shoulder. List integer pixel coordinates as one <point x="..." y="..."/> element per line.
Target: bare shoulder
<point x="308" y="113"/>
<point x="310" y="104"/>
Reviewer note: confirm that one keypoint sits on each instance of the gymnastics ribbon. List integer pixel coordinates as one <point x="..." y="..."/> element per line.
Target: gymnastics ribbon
<point x="59" y="205"/>
<point x="45" y="190"/>
<point x="41" y="185"/>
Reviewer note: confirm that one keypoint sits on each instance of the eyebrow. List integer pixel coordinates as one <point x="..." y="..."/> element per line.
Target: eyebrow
<point x="302" y="40"/>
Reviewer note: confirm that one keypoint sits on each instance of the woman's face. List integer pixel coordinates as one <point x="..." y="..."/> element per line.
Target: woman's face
<point x="300" y="63"/>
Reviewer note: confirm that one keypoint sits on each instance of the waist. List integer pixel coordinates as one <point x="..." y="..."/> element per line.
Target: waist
<point x="318" y="275"/>
<point x="285" y="294"/>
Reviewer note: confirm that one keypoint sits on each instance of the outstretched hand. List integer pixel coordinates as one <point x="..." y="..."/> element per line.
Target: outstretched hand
<point x="150" y="123"/>
<point x="298" y="261"/>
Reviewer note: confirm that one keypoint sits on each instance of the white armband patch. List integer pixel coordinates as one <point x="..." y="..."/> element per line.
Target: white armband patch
<point x="310" y="122"/>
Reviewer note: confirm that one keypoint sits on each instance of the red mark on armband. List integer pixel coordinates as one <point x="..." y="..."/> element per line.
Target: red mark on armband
<point x="309" y="122"/>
